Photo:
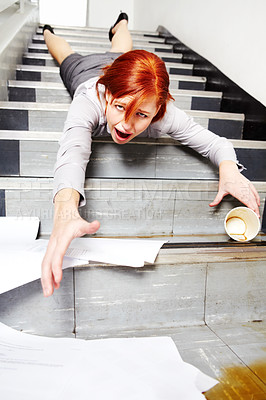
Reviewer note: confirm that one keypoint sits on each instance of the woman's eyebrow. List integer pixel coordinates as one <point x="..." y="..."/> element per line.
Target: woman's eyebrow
<point x="143" y="111"/>
<point x="125" y="103"/>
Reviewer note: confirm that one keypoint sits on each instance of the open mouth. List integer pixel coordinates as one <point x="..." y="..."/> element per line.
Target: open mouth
<point x="121" y="135"/>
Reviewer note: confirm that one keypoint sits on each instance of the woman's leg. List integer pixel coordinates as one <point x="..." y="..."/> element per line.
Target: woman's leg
<point x="57" y="46"/>
<point x="121" y="41"/>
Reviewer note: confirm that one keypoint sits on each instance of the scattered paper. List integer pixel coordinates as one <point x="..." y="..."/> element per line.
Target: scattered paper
<point x="22" y="264"/>
<point x="22" y="255"/>
<point x="129" y="252"/>
<point x="34" y="367"/>
<point x="18" y="230"/>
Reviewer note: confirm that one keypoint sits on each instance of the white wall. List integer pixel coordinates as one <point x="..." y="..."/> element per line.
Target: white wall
<point x="103" y="13"/>
<point x="62" y="12"/>
<point x="231" y="34"/>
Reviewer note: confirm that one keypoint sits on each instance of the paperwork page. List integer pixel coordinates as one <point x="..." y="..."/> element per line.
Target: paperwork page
<point x="21" y="255"/>
<point x="34" y="367"/>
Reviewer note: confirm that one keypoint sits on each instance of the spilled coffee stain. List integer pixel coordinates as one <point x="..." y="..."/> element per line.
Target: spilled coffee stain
<point x="240" y="383"/>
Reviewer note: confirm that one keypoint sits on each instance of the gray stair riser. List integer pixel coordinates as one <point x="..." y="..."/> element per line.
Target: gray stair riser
<point x="53" y="76"/>
<point x="101" y="31"/>
<point x="39" y="95"/>
<point x="103" y="40"/>
<point x="109" y="301"/>
<point x="53" y="120"/>
<point x="154" y="296"/>
<point x="179" y="69"/>
<point x="102" y="47"/>
<point x="33" y="120"/>
<point x="105" y="43"/>
<point x="44" y="95"/>
<point x="171" y="295"/>
<point x="130" y="207"/>
<point x="36" y="158"/>
<point x="45" y="59"/>
<point x="50" y="62"/>
<point x="184" y="84"/>
<point x="78" y="34"/>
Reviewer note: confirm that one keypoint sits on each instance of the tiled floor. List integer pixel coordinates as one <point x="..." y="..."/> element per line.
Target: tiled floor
<point x="233" y="352"/>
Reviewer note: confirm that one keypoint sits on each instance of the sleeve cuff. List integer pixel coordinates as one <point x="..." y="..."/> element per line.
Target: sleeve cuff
<point x="70" y="176"/>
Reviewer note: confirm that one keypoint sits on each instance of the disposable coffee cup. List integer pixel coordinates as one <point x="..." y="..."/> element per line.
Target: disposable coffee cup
<point x="242" y="224"/>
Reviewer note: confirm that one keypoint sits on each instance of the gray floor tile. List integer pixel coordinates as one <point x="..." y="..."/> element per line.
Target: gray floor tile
<point x="236" y="292"/>
<point x="110" y="300"/>
<point x="26" y="309"/>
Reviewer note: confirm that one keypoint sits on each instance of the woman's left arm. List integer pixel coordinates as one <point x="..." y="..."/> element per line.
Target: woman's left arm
<point x="219" y="150"/>
<point x="233" y="182"/>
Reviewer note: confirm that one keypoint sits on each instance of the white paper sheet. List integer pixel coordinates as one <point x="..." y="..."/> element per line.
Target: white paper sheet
<point x="129" y="252"/>
<point x="34" y="367"/>
<point x="22" y="264"/>
<point x="21" y="255"/>
<point x="18" y="230"/>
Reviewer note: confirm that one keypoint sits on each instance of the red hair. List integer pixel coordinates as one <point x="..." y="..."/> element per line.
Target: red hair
<point x="140" y="74"/>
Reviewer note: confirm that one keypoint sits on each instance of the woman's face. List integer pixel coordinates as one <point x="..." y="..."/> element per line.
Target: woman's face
<point x="122" y="132"/>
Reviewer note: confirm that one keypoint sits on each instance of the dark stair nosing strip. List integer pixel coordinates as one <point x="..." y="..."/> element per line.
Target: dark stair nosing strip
<point x="2" y="203"/>
<point x="9" y="158"/>
<point x="230" y="244"/>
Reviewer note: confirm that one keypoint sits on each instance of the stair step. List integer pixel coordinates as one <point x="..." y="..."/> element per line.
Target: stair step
<point x="98" y="47"/>
<point x="102" y="31"/>
<point x="33" y="154"/>
<point x="172" y="68"/>
<point x="104" y="41"/>
<point x="55" y="92"/>
<point x="76" y="37"/>
<point x="149" y="207"/>
<point x="51" y="74"/>
<point x="48" y="60"/>
<point x="38" y="91"/>
<point x="51" y="116"/>
<point x="94" y="33"/>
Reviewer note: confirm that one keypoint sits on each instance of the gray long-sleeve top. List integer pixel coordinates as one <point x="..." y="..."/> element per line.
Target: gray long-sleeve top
<point x="86" y="119"/>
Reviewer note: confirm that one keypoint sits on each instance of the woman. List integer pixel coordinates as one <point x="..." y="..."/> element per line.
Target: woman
<point x="132" y="96"/>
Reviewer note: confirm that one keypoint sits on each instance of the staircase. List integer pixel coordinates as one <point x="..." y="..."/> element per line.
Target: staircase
<point x="205" y="291"/>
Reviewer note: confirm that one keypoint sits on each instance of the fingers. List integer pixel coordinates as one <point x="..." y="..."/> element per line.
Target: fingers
<point x="52" y="265"/>
<point x="59" y="241"/>
<point x="255" y="193"/>
<point x="220" y="195"/>
<point x="51" y="269"/>
<point x="248" y="195"/>
<point x="253" y="201"/>
<point x="92" y="227"/>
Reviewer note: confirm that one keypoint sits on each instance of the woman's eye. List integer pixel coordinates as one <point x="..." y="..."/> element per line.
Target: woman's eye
<point x="119" y="108"/>
<point x="142" y="115"/>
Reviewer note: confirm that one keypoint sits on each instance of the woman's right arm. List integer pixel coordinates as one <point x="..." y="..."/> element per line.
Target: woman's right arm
<point x="72" y="159"/>
<point x="68" y="225"/>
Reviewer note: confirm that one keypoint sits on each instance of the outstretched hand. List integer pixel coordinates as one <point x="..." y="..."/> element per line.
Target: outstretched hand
<point x="234" y="183"/>
<point x="68" y="225"/>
